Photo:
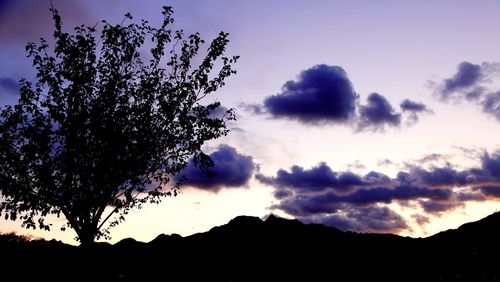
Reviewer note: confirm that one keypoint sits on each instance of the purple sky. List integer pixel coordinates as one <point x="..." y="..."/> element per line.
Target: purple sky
<point x="373" y="116"/>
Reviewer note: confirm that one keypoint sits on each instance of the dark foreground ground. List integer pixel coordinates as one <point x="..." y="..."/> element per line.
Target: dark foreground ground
<point x="248" y="249"/>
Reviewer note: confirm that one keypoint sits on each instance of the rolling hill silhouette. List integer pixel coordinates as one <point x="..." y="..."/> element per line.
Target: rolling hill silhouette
<point x="275" y="249"/>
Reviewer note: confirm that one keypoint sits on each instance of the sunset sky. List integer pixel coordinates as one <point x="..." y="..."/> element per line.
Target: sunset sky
<point x="371" y="116"/>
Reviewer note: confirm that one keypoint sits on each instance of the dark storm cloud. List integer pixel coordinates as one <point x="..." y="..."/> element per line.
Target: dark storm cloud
<point x="321" y="94"/>
<point x="377" y="113"/>
<point x="368" y="219"/>
<point x="230" y="169"/>
<point x="8" y="84"/>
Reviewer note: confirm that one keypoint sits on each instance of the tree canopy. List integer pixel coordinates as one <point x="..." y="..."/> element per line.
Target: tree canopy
<point x="112" y="116"/>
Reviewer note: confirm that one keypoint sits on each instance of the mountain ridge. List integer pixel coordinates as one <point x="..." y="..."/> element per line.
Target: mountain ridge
<point x="239" y="250"/>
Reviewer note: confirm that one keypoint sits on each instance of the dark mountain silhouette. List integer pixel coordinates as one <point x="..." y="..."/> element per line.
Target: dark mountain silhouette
<point x="275" y="249"/>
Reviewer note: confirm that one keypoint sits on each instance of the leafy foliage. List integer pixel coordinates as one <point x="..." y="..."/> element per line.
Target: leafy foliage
<point x="105" y="128"/>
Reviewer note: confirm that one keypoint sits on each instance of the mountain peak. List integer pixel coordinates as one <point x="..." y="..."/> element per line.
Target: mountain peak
<point x="271" y="217"/>
<point x="274" y="219"/>
<point x="245" y="220"/>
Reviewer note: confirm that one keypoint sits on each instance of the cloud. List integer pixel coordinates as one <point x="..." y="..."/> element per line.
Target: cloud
<point x="8" y="84"/>
<point x="387" y="195"/>
<point x="320" y="178"/>
<point x="492" y="164"/>
<point x="467" y="75"/>
<point x="356" y="165"/>
<point x="368" y="219"/>
<point x="317" y="178"/>
<point x="440" y="176"/>
<point x="307" y="205"/>
<point x="367" y="196"/>
<point x="220" y="112"/>
<point x="303" y="204"/>
<point x="412" y="106"/>
<point x="420" y="219"/>
<point x="438" y="207"/>
<point x="320" y="94"/>
<point x="490" y="190"/>
<point x="320" y="194"/>
<point x="434" y="157"/>
<point x="230" y="169"/>
<point x="252" y="108"/>
<point x="470" y="196"/>
<point x="323" y="94"/>
<point x="491" y="104"/>
<point x="376" y="178"/>
<point x="280" y="194"/>
<point x="470" y="83"/>
<point x="385" y="162"/>
<point x="413" y="109"/>
<point x="378" y="113"/>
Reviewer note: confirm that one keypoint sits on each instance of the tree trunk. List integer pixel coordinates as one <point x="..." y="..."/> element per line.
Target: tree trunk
<point x="87" y="235"/>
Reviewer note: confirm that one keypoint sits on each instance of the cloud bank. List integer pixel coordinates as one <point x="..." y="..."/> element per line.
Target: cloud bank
<point x="351" y="201"/>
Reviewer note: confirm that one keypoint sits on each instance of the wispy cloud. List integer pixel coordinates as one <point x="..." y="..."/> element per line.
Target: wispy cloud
<point x="471" y="83"/>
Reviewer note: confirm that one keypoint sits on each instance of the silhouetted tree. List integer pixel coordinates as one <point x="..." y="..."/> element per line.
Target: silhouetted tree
<point x="105" y="127"/>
